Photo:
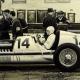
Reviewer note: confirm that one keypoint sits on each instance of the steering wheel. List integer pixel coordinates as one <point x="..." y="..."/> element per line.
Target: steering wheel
<point x="38" y="36"/>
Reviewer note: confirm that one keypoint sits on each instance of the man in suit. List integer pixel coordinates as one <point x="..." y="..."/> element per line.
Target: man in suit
<point x="61" y="18"/>
<point x="49" y="20"/>
<point x="23" y="22"/>
<point x="16" y="26"/>
<point x="5" y="25"/>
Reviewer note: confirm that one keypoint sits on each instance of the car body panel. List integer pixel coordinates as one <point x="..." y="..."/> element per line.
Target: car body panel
<point x="67" y="37"/>
<point x="26" y="58"/>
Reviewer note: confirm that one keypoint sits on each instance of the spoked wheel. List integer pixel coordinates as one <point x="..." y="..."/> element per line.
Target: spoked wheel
<point x="67" y="56"/>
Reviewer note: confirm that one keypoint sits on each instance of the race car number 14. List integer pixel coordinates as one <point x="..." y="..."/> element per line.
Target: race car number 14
<point x="24" y="43"/>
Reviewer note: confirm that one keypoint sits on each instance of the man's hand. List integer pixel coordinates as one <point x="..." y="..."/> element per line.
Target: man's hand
<point x="40" y="39"/>
<point x="37" y="37"/>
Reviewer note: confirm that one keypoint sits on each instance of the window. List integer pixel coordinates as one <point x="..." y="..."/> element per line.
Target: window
<point x="21" y="14"/>
<point x="71" y="17"/>
<point x="18" y="1"/>
<point x="40" y="15"/>
<point x="31" y="16"/>
<point x="36" y="16"/>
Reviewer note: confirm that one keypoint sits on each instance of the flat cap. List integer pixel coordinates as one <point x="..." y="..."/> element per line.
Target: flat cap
<point x="60" y="12"/>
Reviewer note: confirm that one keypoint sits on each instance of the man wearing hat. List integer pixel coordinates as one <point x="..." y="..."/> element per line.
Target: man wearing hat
<point x="16" y="26"/>
<point x="49" y="20"/>
<point x="61" y="18"/>
<point x="5" y="25"/>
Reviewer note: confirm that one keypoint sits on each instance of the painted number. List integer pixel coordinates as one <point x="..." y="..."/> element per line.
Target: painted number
<point x="24" y="43"/>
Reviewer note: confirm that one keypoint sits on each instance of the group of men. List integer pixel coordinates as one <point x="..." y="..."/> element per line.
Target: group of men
<point x="50" y="26"/>
<point x="8" y="21"/>
<point x="17" y="24"/>
<point x="52" y="20"/>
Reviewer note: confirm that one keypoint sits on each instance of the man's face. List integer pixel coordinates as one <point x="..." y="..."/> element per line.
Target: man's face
<point x="60" y="15"/>
<point x="50" y="13"/>
<point x="6" y="15"/>
<point x="48" y="32"/>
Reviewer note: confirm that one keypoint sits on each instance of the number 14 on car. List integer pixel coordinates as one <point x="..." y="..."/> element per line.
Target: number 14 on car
<point x="25" y="43"/>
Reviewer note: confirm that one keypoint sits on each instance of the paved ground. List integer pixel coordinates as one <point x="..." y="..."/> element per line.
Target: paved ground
<point x="21" y="75"/>
<point x="37" y="73"/>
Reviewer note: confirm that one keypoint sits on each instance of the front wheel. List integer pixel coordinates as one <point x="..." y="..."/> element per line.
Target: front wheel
<point x="67" y="56"/>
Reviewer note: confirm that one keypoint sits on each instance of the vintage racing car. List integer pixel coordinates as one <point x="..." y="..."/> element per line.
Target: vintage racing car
<point x="25" y="49"/>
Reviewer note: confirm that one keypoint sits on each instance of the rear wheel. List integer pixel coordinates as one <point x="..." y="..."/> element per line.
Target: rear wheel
<point x="67" y="56"/>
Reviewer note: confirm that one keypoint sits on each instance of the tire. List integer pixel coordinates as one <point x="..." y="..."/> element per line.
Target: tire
<point x="66" y="60"/>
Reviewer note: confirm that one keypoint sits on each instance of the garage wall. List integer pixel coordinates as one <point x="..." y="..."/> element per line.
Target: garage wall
<point x="73" y="6"/>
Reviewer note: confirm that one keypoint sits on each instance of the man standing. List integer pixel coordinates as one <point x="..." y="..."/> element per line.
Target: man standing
<point x="23" y="22"/>
<point x="61" y="18"/>
<point x="16" y="26"/>
<point x="50" y="20"/>
<point x="5" y="25"/>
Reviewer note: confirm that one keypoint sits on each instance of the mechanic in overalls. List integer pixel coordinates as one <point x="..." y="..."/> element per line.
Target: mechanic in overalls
<point x="47" y="44"/>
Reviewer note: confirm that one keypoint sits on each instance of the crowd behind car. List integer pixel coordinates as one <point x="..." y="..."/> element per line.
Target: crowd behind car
<point x="9" y="21"/>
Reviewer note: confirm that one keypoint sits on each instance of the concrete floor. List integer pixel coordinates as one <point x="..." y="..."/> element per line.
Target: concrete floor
<point x="38" y="75"/>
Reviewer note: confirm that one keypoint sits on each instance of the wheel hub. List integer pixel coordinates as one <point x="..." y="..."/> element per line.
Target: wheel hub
<point x="67" y="57"/>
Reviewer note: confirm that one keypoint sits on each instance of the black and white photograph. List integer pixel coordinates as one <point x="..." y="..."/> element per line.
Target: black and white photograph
<point x="39" y="39"/>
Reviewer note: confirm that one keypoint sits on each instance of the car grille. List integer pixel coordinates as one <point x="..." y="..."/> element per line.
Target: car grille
<point x="5" y="50"/>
